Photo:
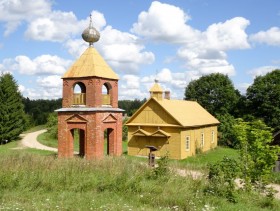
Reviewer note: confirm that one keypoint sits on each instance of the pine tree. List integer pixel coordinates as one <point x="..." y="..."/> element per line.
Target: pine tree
<point x="12" y="121"/>
<point x="1" y="114"/>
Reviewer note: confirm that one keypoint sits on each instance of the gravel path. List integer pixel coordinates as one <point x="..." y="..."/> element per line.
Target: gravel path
<point x="30" y="140"/>
<point x="199" y="175"/>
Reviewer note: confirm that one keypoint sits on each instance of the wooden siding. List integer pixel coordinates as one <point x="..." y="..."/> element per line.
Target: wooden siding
<point x="195" y="140"/>
<point x="175" y="146"/>
<point x="154" y="114"/>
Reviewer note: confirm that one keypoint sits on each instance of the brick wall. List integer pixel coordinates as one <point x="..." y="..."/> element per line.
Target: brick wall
<point x="93" y="91"/>
<point x="93" y="124"/>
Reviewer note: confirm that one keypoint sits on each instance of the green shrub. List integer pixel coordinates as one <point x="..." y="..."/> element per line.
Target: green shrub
<point x="222" y="177"/>
<point x="52" y="125"/>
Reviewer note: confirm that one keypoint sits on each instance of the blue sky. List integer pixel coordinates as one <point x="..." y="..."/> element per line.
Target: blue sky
<point x="173" y="41"/>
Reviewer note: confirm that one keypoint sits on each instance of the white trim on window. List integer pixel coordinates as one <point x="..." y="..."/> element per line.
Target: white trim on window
<point x="212" y="136"/>
<point x="188" y="143"/>
<point x="202" y="139"/>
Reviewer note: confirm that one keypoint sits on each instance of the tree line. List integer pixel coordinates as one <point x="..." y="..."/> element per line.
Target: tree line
<point x="215" y="92"/>
<point x="18" y="113"/>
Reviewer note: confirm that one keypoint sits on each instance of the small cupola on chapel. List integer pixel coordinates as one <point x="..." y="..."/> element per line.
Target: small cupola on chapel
<point x="156" y="91"/>
<point x="90" y="81"/>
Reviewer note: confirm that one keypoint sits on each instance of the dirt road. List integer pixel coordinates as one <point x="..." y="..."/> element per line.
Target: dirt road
<point x="30" y="140"/>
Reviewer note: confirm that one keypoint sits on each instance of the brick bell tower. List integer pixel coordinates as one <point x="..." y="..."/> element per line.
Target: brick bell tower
<point x="90" y="116"/>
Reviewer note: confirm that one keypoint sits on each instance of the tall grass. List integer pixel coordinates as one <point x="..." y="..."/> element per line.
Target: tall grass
<point x="201" y="161"/>
<point x="34" y="182"/>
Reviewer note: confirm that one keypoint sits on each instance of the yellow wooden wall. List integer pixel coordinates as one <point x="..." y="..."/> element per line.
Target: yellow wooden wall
<point x="195" y="140"/>
<point x="174" y="146"/>
<point x="170" y="146"/>
<point x="154" y="116"/>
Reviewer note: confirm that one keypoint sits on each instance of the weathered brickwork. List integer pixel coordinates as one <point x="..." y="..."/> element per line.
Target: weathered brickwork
<point x="93" y="90"/>
<point x="91" y="123"/>
<point x="92" y="126"/>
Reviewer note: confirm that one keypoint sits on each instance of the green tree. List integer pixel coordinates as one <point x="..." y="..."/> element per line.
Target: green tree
<point x="39" y="110"/>
<point x="226" y="133"/>
<point x="263" y="98"/>
<point x="222" y="176"/>
<point x="130" y="106"/>
<point x="124" y="129"/>
<point x="215" y="92"/>
<point x="13" y="118"/>
<point x="257" y="156"/>
<point x="52" y="125"/>
<point x="2" y="115"/>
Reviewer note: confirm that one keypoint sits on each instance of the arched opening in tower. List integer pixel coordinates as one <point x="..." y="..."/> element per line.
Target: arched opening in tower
<point x="78" y="141"/>
<point x="79" y="94"/>
<point x="109" y="141"/>
<point x="106" y="94"/>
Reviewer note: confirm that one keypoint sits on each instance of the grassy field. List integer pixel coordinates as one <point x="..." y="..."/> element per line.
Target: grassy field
<point x="36" y="180"/>
<point x="201" y="161"/>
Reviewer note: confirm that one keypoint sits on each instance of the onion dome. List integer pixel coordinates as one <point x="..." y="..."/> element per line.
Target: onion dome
<point x="90" y="34"/>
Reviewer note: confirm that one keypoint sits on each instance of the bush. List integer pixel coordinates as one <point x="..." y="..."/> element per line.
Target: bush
<point x="52" y="125"/>
<point x="222" y="177"/>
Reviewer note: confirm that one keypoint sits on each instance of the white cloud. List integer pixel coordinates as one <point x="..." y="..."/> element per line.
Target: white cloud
<point x="168" y="80"/>
<point x="76" y="47"/>
<point x="202" y="52"/>
<point x="208" y="53"/>
<point x="1" y="68"/>
<point x="228" y="35"/>
<point x="43" y="23"/>
<point x="98" y="20"/>
<point x="123" y="51"/>
<point x="14" y="12"/>
<point x="132" y="82"/>
<point x="59" y="26"/>
<point x="49" y="87"/>
<point x="21" y="88"/>
<point x="51" y="81"/>
<point x="44" y="64"/>
<point x="164" y="22"/>
<point x="204" y="62"/>
<point x="269" y="37"/>
<point x="260" y="71"/>
<point x="130" y="88"/>
<point x="40" y="93"/>
<point x="4" y="70"/>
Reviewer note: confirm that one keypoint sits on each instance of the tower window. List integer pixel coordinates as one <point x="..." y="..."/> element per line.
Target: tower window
<point x="79" y="96"/>
<point x="106" y="94"/>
